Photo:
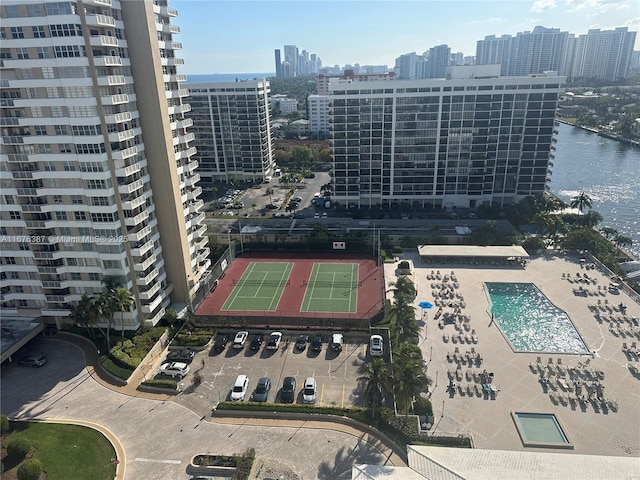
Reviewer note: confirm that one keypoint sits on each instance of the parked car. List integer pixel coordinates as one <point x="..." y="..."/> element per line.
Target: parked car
<point x="296" y="199"/>
<point x="309" y="390"/>
<point x="301" y="343"/>
<point x="288" y="393"/>
<point x="240" y="339"/>
<point x="337" y="339"/>
<point x="256" y="342"/>
<point x="35" y="361"/>
<point x="316" y="343"/>
<point x="185" y="355"/>
<point x="274" y="340"/>
<point x="239" y="389"/>
<point x="261" y="393"/>
<point x="324" y="215"/>
<point x="175" y="369"/>
<point x="316" y="215"/>
<point x="221" y="342"/>
<point x="375" y="346"/>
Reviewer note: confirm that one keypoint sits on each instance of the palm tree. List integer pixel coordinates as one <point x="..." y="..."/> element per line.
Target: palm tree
<point x="376" y="380"/>
<point x="403" y="323"/>
<point x="269" y="192"/>
<point x="622" y="241"/>
<point x="609" y="232"/>
<point x="404" y="289"/>
<point x="581" y="201"/>
<point x="105" y="309"/>
<point x="83" y="313"/>
<point x="122" y="301"/>
<point x="409" y="380"/>
<point x="407" y="352"/>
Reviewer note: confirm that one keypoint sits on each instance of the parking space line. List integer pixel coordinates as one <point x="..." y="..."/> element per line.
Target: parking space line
<point x="322" y="394"/>
<point x="342" y="403"/>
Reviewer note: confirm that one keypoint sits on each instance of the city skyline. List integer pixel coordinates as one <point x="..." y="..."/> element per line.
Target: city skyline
<point x="247" y="45"/>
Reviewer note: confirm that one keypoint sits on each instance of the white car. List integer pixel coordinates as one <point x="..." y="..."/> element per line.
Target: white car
<point x="375" y="346"/>
<point x="174" y="369"/>
<point x="239" y="389"/>
<point x="274" y="341"/>
<point x="240" y="339"/>
<point x="309" y="390"/>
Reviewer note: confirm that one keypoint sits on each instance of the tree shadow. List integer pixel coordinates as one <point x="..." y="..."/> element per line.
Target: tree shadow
<point x="345" y="459"/>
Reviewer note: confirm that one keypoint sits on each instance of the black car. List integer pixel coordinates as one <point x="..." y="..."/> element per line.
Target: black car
<point x="261" y="393"/>
<point x="221" y="342"/>
<point x="256" y="342"/>
<point x="316" y="343"/>
<point x="185" y="355"/>
<point x="288" y="393"/>
<point x="301" y="343"/>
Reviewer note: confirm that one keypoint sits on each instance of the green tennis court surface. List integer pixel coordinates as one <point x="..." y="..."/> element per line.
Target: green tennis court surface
<point x="260" y="287"/>
<point x="332" y="287"/>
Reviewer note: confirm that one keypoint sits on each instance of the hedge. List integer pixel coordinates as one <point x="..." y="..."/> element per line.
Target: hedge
<point x="18" y="448"/>
<point x="162" y="383"/>
<point x="198" y="338"/>
<point x="129" y="353"/>
<point x="397" y="249"/>
<point x="404" y="265"/>
<point x="30" y="470"/>
<point x="113" y="369"/>
<point x="4" y="425"/>
<point x="244" y="464"/>
<point x="287" y="407"/>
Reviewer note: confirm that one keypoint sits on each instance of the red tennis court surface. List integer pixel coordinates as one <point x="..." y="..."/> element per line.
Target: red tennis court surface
<point x="288" y="312"/>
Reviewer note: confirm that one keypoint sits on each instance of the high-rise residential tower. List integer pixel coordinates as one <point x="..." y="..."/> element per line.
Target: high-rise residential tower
<point x="278" y="63"/>
<point x="97" y="169"/>
<point x="603" y="54"/>
<point x="233" y="135"/>
<point x="474" y="139"/>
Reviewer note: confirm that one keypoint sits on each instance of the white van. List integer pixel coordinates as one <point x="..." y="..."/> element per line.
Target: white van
<point x="337" y="339"/>
<point x="240" y="388"/>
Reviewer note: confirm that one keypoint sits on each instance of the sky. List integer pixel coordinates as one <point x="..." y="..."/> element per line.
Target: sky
<point x="240" y="36"/>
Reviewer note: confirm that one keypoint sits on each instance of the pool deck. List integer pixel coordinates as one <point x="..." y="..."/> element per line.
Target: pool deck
<point x="488" y="418"/>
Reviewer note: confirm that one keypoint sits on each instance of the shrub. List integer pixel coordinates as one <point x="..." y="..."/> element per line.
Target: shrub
<point x="404" y="265"/>
<point x="18" y="448"/>
<point x="244" y="463"/>
<point x="397" y="250"/>
<point x="422" y="407"/>
<point x="30" y="470"/>
<point x="533" y="244"/>
<point x="162" y="383"/>
<point x="4" y="425"/>
<point x="115" y="370"/>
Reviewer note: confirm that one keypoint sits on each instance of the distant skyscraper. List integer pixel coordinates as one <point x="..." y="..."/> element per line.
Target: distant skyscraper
<point x="318" y="106"/>
<point x="98" y="174"/>
<point x="492" y="50"/>
<point x="278" y="63"/>
<point x="603" y="54"/>
<point x="437" y="143"/>
<point x="438" y="61"/>
<point x="406" y="66"/>
<point x="231" y="126"/>
<point x="291" y="57"/>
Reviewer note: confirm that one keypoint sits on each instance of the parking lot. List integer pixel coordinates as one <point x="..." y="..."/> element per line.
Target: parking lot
<point x="336" y="373"/>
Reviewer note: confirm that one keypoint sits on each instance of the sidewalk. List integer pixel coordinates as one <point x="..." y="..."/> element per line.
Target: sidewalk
<point x="100" y="375"/>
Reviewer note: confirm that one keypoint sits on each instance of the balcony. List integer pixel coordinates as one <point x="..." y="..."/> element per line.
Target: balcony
<point x="100" y="21"/>
<point x="148" y="279"/>
<point x="195" y="193"/>
<point x="172" y="62"/>
<point x="121" y="136"/>
<point x="115" y="99"/>
<point x="99" y="3"/>
<point x="8" y="121"/>
<point x="127" y="171"/>
<point x="139" y="235"/>
<point x="137" y="220"/>
<point x="124" y="154"/>
<point x="131" y="187"/>
<point x="196" y="206"/>
<point x="168" y="28"/>
<point x="118" y="118"/>
<point x="13" y="140"/>
<point x="187" y="122"/>
<point x="175" y="45"/>
<point x="107" y="61"/>
<point x="148" y="295"/>
<point x="189" y="137"/>
<point x="192" y="180"/>
<point x="142" y="249"/>
<point x="111" y="80"/>
<point x="191" y="166"/>
<point x="178" y="77"/>
<point x="103" y="41"/>
<point x="141" y="267"/>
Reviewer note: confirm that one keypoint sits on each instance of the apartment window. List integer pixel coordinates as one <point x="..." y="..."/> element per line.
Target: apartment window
<point x="83" y="111"/>
<point x="87" y="247"/>
<point x="16" y="32"/>
<point x="44" y="52"/>
<point x="90" y="148"/>
<point x="40" y="129"/>
<point x="95" y="184"/>
<point x="57" y="111"/>
<point x="61" y="215"/>
<point x="69" y="166"/>
<point x="16" y="275"/>
<point x="79" y="216"/>
<point x="9" y="260"/>
<point x="59" y="8"/>
<point x="83" y="231"/>
<point x="45" y="148"/>
<point x="72" y="262"/>
<point x="76" y="276"/>
<point x="18" y="289"/>
<point x="22" y="53"/>
<point x="9" y="200"/>
<point x="77" y="92"/>
<point x="101" y="201"/>
<point x="38" y="31"/>
<point x="67" y="51"/>
<point x="77" y="200"/>
<point x="103" y="217"/>
<point x="34" y="11"/>
<point x="86" y="129"/>
<point x="12" y="11"/>
<point x="94" y="277"/>
<point x="61" y="129"/>
<point x="52" y="92"/>
<point x="65" y="148"/>
<point x="49" y="166"/>
<point x="47" y="72"/>
<point x="23" y="303"/>
<point x="91" y="167"/>
<point x="57" y="199"/>
<point x="65" y="30"/>
<point x="73" y="72"/>
<point x="5" y="55"/>
<point x="14" y="215"/>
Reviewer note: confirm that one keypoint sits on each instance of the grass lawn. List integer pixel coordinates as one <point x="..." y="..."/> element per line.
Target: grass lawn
<point x="67" y="452"/>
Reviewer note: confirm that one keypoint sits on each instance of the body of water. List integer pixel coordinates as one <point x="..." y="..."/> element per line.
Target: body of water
<point x="227" y="77"/>
<point x="607" y="171"/>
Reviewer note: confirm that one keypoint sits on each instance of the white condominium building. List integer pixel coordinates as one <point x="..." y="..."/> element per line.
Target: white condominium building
<point x="439" y="143"/>
<point x="318" y="106"/>
<point x="97" y="170"/>
<point x="233" y="134"/>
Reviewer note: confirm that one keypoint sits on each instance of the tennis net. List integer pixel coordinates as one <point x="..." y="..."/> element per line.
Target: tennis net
<point x="327" y="283"/>
<point x="275" y="283"/>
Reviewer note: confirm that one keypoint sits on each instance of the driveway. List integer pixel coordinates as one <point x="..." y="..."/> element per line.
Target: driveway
<point x="161" y="437"/>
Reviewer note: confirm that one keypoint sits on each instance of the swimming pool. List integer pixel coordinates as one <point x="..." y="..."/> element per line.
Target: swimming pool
<point x="540" y="430"/>
<point x="530" y="322"/>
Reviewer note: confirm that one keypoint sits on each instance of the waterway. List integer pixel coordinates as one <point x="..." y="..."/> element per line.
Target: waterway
<point x="606" y="170"/>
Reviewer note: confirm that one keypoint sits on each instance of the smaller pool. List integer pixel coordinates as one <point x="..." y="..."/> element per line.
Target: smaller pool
<point x="540" y="430"/>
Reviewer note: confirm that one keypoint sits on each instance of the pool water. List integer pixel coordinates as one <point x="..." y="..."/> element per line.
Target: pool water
<point x="530" y="322"/>
<point x="541" y="428"/>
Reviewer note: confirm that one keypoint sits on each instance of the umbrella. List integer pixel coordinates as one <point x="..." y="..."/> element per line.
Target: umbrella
<point x="425" y="305"/>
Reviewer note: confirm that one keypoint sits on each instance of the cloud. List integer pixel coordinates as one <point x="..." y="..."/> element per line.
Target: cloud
<point x="596" y="6"/>
<point x="542" y="5"/>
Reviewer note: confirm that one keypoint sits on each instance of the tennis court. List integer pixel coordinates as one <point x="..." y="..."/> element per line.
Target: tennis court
<point x="260" y="287"/>
<point x="332" y="287"/>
